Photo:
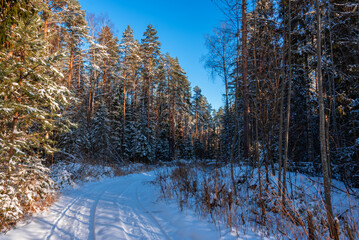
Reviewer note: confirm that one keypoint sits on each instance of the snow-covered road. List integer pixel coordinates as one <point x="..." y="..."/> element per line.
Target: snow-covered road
<point x="117" y="208"/>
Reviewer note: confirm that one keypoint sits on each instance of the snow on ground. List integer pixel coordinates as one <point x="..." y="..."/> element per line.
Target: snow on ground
<point x="117" y="208"/>
<point x="209" y="190"/>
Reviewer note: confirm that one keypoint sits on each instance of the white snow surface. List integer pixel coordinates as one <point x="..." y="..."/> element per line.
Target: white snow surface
<point x="124" y="207"/>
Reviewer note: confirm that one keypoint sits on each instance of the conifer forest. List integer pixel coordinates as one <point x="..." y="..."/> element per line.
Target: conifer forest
<point x="82" y="104"/>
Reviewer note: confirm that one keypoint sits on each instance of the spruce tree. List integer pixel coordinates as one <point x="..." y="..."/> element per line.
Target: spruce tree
<point x="31" y="102"/>
<point x="129" y="65"/>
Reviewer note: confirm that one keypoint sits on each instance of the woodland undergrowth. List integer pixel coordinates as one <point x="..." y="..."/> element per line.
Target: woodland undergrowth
<point x="208" y="190"/>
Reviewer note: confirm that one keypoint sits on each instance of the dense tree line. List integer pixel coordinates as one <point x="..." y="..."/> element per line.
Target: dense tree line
<point x="282" y="48"/>
<point x="135" y="102"/>
<point x="290" y="70"/>
<point x="126" y="100"/>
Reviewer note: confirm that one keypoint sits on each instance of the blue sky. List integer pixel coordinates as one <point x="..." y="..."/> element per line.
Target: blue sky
<point x="181" y="27"/>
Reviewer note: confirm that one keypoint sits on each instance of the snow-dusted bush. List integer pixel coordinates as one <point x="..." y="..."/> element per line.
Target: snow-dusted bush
<point x="68" y="174"/>
<point x="25" y="188"/>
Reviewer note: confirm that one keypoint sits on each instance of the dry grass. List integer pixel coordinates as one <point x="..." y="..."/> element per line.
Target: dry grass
<point x="210" y="193"/>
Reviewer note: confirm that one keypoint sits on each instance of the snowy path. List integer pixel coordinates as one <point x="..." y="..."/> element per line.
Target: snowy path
<point x="117" y="208"/>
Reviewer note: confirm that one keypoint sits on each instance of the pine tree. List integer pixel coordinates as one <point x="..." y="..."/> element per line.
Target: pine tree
<point x="76" y="28"/>
<point x="150" y="49"/>
<point x="109" y="63"/>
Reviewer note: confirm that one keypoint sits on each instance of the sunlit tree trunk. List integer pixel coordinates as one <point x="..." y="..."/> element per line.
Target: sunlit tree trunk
<point x="69" y="78"/>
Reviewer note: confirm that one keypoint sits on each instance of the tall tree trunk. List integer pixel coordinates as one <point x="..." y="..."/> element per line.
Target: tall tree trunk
<point x="173" y="138"/>
<point x="70" y="69"/>
<point x="171" y="113"/>
<point x="227" y="91"/>
<point x="104" y="79"/>
<point x="245" y="80"/>
<point x="109" y="92"/>
<point x="196" y="116"/>
<point x="45" y="29"/>
<point x="79" y="70"/>
<point x="236" y="102"/>
<point x="89" y="107"/>
<point x="257" y="112"/>
<point x="323" y="147"/>
<point x="46" y="16"/>
<point x="286" y="140"/>
<point x="238" y="88"/>
<point x="149" y="100"/>
<point x="309" y="116"/>
<point x="234" y="185"/>
<point x="124" y="106"/>
<point x="225" y="77"/>
<point x="280" y="141"/>
<point x="332" y="83"/>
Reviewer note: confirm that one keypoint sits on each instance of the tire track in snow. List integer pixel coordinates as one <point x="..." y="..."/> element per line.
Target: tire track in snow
<point x="92" y="235"/>
<point x="118" y="205"/>
<point x="153" y="217"/>
<point x="144" y="224"/>
<point x="62" y="214"/>
<point x="92" y="216"/>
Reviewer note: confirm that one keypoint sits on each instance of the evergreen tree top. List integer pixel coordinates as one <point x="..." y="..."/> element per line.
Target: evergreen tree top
<point x="197" y="90"/>
<point x="150" y="43"/>
<point x="127" y="37"/>
<point x="128" y="32"/>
